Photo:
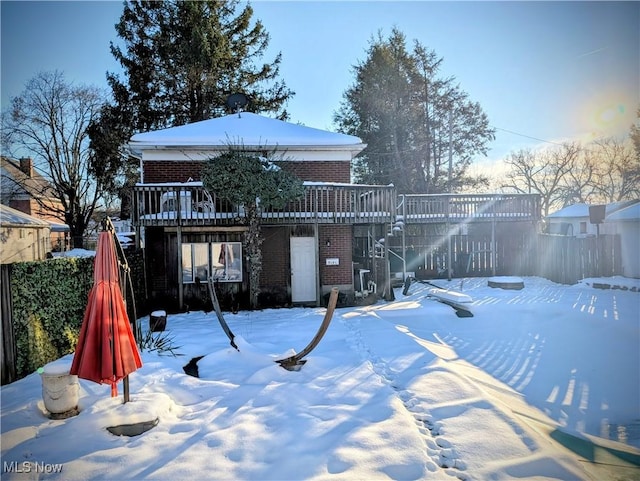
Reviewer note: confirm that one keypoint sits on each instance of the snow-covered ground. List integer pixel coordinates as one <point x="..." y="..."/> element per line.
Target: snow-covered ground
<point x="542" y="383"/>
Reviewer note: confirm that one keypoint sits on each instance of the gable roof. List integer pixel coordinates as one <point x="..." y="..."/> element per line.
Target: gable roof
<point x="17" y="183"/>
<point x="245" y="129"/>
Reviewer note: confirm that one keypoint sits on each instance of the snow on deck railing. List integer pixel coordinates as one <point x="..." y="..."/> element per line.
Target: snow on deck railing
<point x="418" y="208"/>
<point x="190" y="203"/>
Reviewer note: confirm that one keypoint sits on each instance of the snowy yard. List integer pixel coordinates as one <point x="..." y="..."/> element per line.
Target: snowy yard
<point x="542" y="383"/>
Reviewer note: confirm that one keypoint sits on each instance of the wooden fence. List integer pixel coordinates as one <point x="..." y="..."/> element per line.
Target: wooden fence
<point x="566" y="260"/>
<point x="516" y="252"/>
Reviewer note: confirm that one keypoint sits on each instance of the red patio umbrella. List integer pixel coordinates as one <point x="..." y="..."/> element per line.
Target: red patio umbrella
<point x="106" y="352"/>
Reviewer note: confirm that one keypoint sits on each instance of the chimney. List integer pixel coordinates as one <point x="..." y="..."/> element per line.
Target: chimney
<point x="26" y="166"/>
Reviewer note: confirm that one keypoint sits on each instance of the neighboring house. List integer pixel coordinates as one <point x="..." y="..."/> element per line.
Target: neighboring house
<point x="190" y="234"/>
<point x="626" y="223"/>
<point x="24" y="189"/>
<point x="574" y="220"/>
<point x="22" y="237"/>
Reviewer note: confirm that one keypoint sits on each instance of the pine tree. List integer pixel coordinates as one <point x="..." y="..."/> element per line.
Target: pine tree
<point x="181" y="60"/>
<point x="410" y="119"/>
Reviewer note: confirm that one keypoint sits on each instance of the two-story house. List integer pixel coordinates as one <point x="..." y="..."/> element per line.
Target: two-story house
<point x="190" y="234"/>
<point x="24" y="189"/>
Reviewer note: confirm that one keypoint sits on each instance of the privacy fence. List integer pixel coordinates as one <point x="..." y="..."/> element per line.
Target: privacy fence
<point x="510" y="250"/>
<point x="566" y="260"/>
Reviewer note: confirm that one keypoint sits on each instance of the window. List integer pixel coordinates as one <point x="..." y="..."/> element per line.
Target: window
<point x="583" y="227"/>
<point x="201" y="262"/>
<point x="226" y="261"/>
<point x="222" y="259"/>
<point x="187" y="264"/>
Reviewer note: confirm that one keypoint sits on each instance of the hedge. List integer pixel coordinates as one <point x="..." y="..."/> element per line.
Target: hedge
<point x="49" y="300"/>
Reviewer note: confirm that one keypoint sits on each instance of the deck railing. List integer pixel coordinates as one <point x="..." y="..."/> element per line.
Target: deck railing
<point x="190" y="204"/>
<point x="435" y="208"/>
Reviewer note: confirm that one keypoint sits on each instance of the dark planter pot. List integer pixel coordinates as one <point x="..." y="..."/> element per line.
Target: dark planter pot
<point x="158" y="321"/>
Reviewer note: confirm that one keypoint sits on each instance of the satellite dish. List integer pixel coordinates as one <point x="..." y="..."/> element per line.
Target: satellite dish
<point x="237" y="102"/>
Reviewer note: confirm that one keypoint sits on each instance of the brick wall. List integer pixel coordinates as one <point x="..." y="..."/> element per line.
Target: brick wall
<point x="340" y="237"/>
<point x="171" y="171"/>
<point x="181" y="171"/>
<point x="321" y="171"/>
<point x="275" y="258"/>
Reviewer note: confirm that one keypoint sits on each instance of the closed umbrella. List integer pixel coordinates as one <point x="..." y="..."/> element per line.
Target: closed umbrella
<point x="106" y="352"/>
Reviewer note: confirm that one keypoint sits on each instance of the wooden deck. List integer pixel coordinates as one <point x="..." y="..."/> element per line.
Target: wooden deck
<point x="190" y="204"/>
<point x="465" y="208"/>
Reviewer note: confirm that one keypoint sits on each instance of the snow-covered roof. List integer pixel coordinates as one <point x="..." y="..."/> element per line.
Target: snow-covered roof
<point x="628" y="213"/>
<point x="13" y="217"/>
<point x="245" y="129"/>
<point x="575" y="210"/>
<point x="582" y="210"/>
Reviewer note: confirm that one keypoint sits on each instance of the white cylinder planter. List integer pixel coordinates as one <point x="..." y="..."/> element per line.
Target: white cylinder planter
<point x="60" y="390"/>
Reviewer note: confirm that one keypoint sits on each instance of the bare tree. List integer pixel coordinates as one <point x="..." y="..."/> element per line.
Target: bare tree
<point x="606" y="170"/>
<point x="542" y="172"/>
<point x="48" y="121"/>
<point x="634" y="134"/>
<point x="618" y="169"/>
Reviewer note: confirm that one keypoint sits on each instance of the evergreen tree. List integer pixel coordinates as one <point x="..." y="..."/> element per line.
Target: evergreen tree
<point x="256" y="182"/>
<point x="411" y="119"/>
<point x="181" y="60"/>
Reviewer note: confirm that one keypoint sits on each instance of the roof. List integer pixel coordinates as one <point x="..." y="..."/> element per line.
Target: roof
<point x="629" y="213"/>
<point x="582" y="210"/>
<point x="13" y="217"/>
<point x="245" y="129"/>
<point x="17" y="183"/>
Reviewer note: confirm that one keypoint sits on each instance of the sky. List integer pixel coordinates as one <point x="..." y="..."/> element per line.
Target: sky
<point x="542" y="71"/>
<point x="528" y="388"/>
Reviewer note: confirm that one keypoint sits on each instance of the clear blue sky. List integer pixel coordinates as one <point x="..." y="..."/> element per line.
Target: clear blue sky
<point x="547" y="70"/>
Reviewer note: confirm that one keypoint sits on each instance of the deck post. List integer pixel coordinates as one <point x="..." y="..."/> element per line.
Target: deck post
<point x="179" y="256"/>
<point x="449" y="269"/>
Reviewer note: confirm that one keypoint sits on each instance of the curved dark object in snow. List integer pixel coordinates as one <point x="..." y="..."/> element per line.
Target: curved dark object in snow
<point x="191" y="368"/>
<point x="216" y="307"/>
<point x="293" y="363"/>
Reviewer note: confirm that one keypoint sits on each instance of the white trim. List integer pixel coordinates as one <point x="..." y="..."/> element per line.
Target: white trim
<point x="311" y="154"/>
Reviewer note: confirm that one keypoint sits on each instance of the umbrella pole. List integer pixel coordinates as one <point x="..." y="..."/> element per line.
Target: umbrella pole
<point x="125" y="384"/>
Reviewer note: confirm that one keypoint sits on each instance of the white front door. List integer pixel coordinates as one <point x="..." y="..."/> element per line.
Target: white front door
<point x="303" y="269"/>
